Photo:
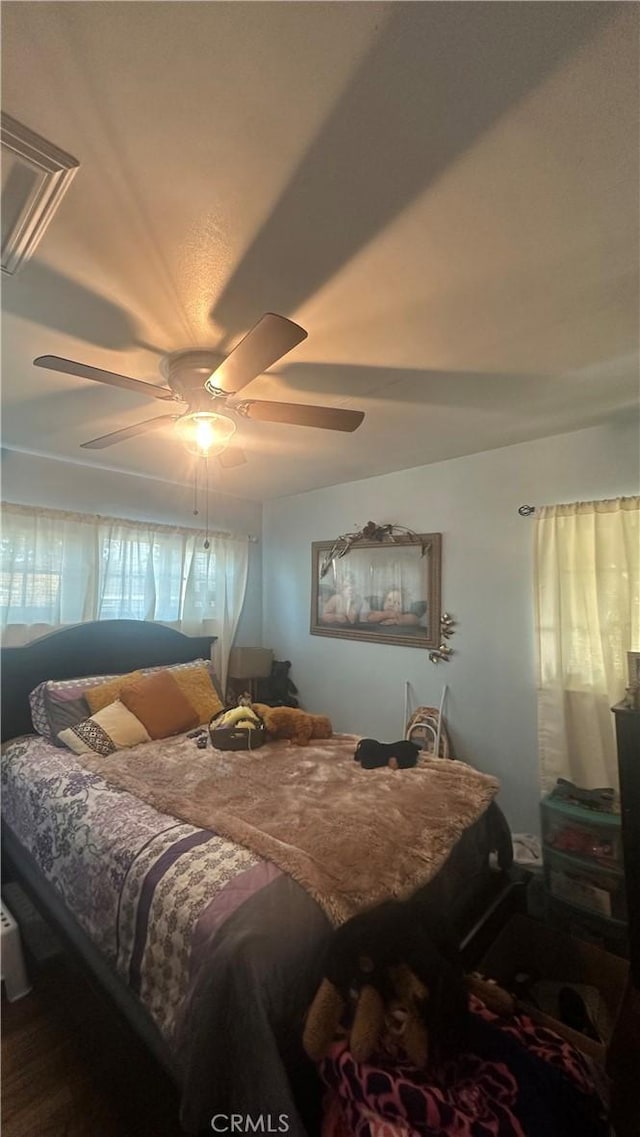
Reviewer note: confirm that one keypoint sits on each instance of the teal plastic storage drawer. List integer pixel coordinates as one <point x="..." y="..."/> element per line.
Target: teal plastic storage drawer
<point x="590" y="887"/>
<point x="592" y="836"/>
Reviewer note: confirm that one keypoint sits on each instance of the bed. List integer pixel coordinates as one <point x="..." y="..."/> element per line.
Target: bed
<point x="211" y="950"/>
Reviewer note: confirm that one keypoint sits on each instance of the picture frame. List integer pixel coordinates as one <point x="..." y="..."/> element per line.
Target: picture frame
<point x="386" y="592"/>
<point x="633" y="667"/>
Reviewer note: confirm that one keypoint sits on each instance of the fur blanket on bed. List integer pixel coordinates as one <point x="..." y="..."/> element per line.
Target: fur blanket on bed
<point x="351" y="837"/>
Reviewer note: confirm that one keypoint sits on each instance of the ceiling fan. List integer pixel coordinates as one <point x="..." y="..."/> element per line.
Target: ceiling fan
<point x="207" y="388"/>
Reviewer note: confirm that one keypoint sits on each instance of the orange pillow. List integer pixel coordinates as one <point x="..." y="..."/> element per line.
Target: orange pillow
<point x="195" y="683"/>
<point x="99" y="697"/>
<point x="159" y="704"/>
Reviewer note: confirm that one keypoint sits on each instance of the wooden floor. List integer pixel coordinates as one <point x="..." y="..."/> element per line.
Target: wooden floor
<point x="70" y="1068"/>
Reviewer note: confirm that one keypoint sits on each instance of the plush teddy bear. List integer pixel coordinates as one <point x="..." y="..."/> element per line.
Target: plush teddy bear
<point x="292" y="723"/>
<point x="278" y="690"/>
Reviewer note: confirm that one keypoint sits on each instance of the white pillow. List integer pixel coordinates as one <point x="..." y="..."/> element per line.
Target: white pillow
<point x="113" y="728"/>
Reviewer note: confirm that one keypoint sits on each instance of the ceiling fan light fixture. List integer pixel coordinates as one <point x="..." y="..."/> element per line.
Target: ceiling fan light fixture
<point x="205" y="433"/>
<point x="196" y="380"/>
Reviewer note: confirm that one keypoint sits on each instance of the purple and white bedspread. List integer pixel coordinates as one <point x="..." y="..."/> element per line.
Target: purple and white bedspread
<point x="222" y="949"/>
<point x="140" y="883"/>
<point x="151" y="892"/>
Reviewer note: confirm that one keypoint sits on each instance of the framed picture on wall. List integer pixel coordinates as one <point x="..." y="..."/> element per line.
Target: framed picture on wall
<point x="379" y="592"/>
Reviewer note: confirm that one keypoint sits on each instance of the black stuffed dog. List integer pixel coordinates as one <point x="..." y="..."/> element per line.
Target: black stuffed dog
<point x="400" y="755"/>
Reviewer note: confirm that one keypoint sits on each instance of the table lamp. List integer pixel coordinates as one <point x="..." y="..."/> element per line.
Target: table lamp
<point x="247" y="665"/>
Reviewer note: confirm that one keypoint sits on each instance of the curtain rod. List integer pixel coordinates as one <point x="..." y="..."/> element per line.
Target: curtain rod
<point x="625" y="502"/>
<point x="127" y="522"/>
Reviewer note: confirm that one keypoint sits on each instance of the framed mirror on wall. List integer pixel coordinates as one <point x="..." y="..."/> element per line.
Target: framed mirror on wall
<point x="379" y="591"/>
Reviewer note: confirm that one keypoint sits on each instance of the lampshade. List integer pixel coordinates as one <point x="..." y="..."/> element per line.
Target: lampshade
<point x="205" y="433"/>
<point x="250" y="662"/>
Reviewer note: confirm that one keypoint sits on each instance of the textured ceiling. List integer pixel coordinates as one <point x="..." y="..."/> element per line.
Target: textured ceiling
<point x="444" y="194"/>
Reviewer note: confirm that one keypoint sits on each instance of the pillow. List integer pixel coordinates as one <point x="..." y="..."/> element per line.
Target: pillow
<point x="55" y="692"/>
<point x="159" y="704"/>
<point x="39" y="718"/>
<point x="63" y="712"/>
<point x="51" y="702"/>
<point x="112" y="728"/>
<point x="195" y="683"/>
<point x="99" y="697"/>
<point x="207" y="663"/>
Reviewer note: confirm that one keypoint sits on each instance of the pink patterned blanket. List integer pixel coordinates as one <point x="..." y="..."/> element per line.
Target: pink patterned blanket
<point x="514" y="1079"/>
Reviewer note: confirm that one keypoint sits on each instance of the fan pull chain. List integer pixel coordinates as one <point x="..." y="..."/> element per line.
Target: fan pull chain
<point x="206" y="512"/>
<point x="196" y="511"/>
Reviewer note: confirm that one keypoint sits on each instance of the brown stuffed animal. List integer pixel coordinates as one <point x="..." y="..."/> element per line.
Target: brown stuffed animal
<point x="387" y="983"/>
<point x="292" y="723"/>
<point x="381" y="962"/>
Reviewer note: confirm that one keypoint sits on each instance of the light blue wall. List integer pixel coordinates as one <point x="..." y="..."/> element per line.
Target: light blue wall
<point x="487" y="587"/>
<point x="28" y="479"/>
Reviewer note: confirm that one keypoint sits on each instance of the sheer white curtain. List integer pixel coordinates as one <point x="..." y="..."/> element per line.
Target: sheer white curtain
<point x="63" y="568"/>
<point x="587" y="579"/>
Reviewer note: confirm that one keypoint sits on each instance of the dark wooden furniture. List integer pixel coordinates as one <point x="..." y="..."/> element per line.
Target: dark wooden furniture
<point x="627" y="722"/>
<point x="106" y="647"/>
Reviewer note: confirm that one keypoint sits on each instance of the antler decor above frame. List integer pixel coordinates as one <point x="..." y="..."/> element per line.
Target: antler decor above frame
<point x="370" y="532"/>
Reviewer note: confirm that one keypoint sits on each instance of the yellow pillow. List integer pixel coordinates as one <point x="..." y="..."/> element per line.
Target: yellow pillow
<point x="195" y="683"/>
<point x="100" y="697"/>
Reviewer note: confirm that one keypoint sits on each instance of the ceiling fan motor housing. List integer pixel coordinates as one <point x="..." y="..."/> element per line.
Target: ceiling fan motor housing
<point x="186" y="372"/>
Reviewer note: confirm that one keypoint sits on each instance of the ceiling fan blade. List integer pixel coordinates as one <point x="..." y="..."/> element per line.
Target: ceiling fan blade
<point x="299" y="414"/>
<point x="128" y="432"/>
<point x="70" y="367"/>
<point x="271" y="338"/>
<point x="232" y="456"/>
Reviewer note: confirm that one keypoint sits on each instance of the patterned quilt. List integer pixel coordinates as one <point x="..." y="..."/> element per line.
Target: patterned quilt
<point x="137" y="881"/>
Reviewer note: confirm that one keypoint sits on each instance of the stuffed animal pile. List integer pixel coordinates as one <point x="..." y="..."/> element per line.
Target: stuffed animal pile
<point x="388" y="983"/>
<point x="278" y="722"/>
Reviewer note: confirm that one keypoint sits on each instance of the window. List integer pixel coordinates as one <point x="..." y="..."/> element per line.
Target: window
<point x="62" y="568"/>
